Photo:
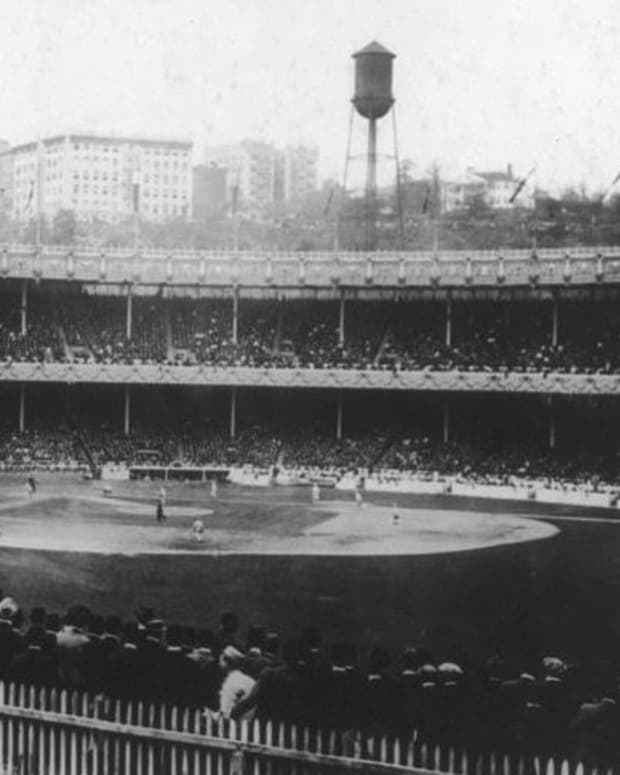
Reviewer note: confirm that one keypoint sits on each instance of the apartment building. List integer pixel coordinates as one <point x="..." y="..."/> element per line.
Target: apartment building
<point x="102" y="177"/>
<point x="259" y="176"/>
<point x="300" y="171"/>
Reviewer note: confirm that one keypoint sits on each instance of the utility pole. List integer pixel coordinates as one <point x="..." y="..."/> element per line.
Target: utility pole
<point x="39" y="196"/>
<point x="436" y="205"/>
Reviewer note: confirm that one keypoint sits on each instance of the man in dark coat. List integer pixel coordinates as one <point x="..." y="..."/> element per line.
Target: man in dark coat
<point x="33" y="667"/>
<point x="12" y="642"/>
<point x="125" y="673"/>
<point x="278" y="692"/>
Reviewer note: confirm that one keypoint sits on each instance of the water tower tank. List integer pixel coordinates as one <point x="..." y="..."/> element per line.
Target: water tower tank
<point x="373" y="81"/>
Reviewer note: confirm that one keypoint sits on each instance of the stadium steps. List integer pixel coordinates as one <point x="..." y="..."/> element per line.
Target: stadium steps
<point x="374" y="462"/>
<point x="385" y="339"/>
<point x="170" y="348"/>
<point x="64" y="344"/>
<point x="277" y="339"/>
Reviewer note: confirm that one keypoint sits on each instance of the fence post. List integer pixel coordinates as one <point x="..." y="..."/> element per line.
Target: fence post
<point x="10" y="730"/>
<point x="237" y="762"/>
<point x="184" y="754"/>
<point x="73" y="745"/>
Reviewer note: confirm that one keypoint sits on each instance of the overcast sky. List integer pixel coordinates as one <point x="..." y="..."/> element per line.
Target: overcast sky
<point x="481" y="82"/>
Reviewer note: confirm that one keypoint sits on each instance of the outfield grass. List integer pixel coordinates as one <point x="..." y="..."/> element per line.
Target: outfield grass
<point x="552" y="596"/>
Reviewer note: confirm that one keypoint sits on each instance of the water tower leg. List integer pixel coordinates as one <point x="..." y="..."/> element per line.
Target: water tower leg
<point x="371" y="186"/>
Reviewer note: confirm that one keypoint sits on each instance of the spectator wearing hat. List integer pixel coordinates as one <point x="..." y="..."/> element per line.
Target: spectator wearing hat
<point x="378" y="705"/>
<point x="255" y="660"/>
<point x="271" y="649"/>
<point x="12" y="642"/>
<point x="38" y="621"/>
<point x="559" y="704"/>
<point x="407" y="692"/>
<point x="33" y="667"/>
<point x="226" y="634"/>
<point x="594" y="732"/>
<point x="179" y="675"/>
<point x="342" y="702"/>
<point x="318" y="674"/>
<point x="95" y="654"/>
<point x="236" y="684"/>
<point x="152" y="650"/>
<point x="71" y="641"/>
<point x="124" y="669"/>
<point x="208" y="671"/>
<point x="278" y="692"/>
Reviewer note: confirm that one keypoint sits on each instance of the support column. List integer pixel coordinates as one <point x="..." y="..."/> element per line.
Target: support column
<point x="449" y="320"/>
<point x="554" y="320"/>
<point x="22" y="407"/>
<point x="235" y="320"/>
<point x="233" y="413"/>
<point x="339" y="419"/>
<point x="129" y="313"/>
<point x="551" y="422"/>
<point x="446" y="421"/>
<point x="24" y="308"/>
<point x="127" y="425"/>
<point x="341" y="321"/>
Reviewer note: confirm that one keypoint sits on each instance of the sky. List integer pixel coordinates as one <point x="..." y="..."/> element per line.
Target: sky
<point x="479" y="83"/>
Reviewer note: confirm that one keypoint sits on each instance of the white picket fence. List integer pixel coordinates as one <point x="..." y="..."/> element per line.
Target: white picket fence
<point x="57" y="732"/>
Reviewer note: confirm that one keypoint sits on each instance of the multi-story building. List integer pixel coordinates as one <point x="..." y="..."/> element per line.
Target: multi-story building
<point x="300" y="173"/>
<point x="6" y="179"/>
<point x="250" y="175"/>
<point x="102" y="177"/>
<point x="495" y="189"/>
<point x="258" y="175"/>
<point x="460" y="192"/>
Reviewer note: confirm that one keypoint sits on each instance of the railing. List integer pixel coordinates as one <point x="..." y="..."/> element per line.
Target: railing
<point x="58" y="732"/>
<point x="298" y="270"/>
<point x="555" y="383"/>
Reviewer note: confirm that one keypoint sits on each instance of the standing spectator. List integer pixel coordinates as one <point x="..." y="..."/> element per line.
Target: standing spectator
<point x="71" y="641"/>
<point x="33" y="666"/>
<point x="278" y="692"/>
<point x="236" y="685"/>
<point x="227" y="632"/>
<point x="12" y="642"/>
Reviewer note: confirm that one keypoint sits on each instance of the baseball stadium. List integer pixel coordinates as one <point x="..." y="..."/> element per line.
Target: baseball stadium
<point x="406" y="463"/>
<point x="310" y="511"/>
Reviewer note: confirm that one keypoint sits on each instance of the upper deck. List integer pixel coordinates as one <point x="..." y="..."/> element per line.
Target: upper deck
<point x="548" y="267"/>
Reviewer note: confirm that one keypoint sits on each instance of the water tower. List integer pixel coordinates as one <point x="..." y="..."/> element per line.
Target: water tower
<point x="373" y="100"/>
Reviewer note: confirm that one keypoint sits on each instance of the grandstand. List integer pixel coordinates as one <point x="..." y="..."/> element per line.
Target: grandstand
<point x="242" y="343"/>
<point x="409" y="375"/>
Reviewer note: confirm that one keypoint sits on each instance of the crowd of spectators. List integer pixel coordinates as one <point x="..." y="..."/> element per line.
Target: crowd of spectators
<point x="398" y="335"/>
<point x="313" y="454"/>
<point x="540" y="706"/>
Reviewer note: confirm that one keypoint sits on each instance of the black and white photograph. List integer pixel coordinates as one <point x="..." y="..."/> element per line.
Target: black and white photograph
<point x="309" y="387"/>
